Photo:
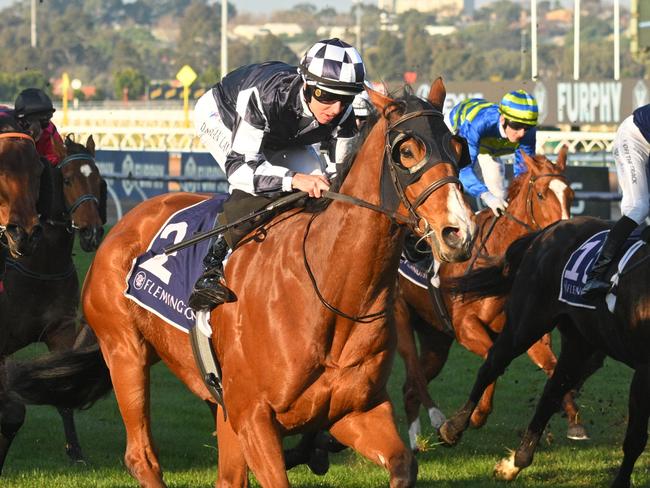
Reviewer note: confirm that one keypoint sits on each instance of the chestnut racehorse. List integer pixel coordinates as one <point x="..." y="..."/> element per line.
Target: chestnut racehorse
<point x="42" y="290"/>
<point x="537" y="198"/>
<point x="531" y="275"/>
<point x="309" y="342"/>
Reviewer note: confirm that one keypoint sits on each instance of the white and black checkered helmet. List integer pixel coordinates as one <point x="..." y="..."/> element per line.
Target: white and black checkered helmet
<point x="334" y="66"/>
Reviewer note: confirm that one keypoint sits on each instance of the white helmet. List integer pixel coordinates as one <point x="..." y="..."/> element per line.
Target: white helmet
<point x="334" y="66"/>
<point x="361" y="104"/>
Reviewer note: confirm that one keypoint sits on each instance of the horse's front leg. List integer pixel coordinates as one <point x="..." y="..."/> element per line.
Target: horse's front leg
<point x="261" y="445"/>
<point x="541" y="354"/>
<point x="373" y="434"/>
<point x="13" y="417"/>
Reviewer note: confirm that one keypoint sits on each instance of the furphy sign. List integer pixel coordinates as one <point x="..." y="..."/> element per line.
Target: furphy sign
<point x="591" y="102"/>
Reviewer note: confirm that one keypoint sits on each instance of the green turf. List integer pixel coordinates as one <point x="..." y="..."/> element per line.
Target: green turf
<point x="183" y="431"/>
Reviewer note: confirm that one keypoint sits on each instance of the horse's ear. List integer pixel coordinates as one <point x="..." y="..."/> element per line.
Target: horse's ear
<point x="461" y="148"/>
<point x="437" y="94"/>
<point x="378" y="100"/>
<point x="530" y="162"/>
<point x="560" y="164"/>
<point x="90" y="145"/>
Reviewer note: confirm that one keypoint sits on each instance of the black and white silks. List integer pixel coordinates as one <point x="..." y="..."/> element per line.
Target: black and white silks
<point x="257" y="111"/>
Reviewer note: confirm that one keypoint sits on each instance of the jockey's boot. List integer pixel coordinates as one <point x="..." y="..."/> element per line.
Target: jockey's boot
<point x="596" y="278"/>
<point x="210" y="289"/>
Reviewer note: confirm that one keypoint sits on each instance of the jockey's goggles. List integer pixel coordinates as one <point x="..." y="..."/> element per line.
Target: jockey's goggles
<point x="329" y="98"/>
<point x="518" y="125"/>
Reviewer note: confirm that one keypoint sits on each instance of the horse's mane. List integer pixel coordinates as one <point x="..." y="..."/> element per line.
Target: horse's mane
<point x="516" y="184"/>
<point x="314" y="205"/>
<point x="8" y="121"/>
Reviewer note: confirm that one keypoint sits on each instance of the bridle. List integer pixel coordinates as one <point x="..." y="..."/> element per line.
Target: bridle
<point x="529" y="213"/>
<point x="401" y="177"/>
<point x="86" y="197"/>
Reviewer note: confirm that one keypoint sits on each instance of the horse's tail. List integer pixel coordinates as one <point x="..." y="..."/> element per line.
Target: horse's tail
<point x="495" y="280"/>
<point x="72" y="379"/>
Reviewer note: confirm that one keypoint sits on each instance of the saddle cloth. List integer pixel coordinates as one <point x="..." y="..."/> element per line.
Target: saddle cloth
<point x="574" y="275"/>
<point x="162" y="283"/>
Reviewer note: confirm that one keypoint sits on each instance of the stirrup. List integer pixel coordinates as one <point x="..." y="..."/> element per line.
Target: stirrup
<point x="209" y="298"/>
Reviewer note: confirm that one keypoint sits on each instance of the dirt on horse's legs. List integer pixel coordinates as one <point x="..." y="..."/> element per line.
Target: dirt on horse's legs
<point x="373" y="435"/>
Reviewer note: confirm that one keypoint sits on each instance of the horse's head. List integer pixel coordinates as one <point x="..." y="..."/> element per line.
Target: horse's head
<point x="420" y="170"/>
<point x="82" y="191"/>
<point x="542" y="195"/>
<point x="20" y="172"/>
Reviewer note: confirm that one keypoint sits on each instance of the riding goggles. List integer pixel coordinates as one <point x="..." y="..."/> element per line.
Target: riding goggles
<point x="518" y="125"/>
<point x="329" y="98"/>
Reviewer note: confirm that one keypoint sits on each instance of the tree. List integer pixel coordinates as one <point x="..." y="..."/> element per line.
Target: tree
<point x="271" y="48"/>
<point x="129" y="81"/>
<point x="386" y="62"/>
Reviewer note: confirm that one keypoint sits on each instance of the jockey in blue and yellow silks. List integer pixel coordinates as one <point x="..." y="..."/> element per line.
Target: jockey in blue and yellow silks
<point x="491" y="131"/>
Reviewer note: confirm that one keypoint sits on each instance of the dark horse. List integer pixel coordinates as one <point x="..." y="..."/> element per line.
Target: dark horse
<point x="317" y="320"/>
<point x="41" y="295"/>
<point x="537" y="198"/>
<point x="531" y="275"/>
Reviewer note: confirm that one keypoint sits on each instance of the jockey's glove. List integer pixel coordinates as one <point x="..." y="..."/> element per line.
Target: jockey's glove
<point x="497" y="204"/>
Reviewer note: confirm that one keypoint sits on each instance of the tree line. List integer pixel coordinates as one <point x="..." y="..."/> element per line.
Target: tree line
<point x="117" y="44"/>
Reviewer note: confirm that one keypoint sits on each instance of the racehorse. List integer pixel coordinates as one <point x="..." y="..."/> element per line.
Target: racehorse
<point x="531" y="275"/>
<point x="317" y="320"/>
<point x="41" y="295"/>
<point x="20" y="168"/>
<point x="537" y="198"/>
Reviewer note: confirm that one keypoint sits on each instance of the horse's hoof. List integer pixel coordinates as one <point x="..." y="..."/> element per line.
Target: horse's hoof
<point x="447" y="435"/>
<point x="437" y="418"/>
<point x="577" y="432"/>
<point x="506" y="469"/>
<point x="319" y="462"/>
<point x="75" y="454"/>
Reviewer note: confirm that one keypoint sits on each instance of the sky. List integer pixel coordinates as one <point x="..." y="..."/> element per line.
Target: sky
<point x="267" y="6"/>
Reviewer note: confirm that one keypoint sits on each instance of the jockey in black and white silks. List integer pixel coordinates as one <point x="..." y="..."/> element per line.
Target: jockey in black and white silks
<point x="262" y="123"/>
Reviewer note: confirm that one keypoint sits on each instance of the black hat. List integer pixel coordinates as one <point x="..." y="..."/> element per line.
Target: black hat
<point x="32" y="101"/>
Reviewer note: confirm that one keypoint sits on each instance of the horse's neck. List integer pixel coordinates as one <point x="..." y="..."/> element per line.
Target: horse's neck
<point x="53" y="253"/>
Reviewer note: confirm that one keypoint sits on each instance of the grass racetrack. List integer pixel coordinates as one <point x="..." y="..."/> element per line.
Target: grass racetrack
<point x="183" y="431"/>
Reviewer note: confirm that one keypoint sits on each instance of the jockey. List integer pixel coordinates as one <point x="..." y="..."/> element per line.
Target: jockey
<point x="632" y="157"/>
<point x="262" y="113"/>
<point x="33" y="110"/>
<point x="491" y="131"/>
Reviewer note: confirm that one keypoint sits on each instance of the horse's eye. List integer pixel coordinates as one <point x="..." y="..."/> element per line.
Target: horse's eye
<point x="405" y="152"/>
<point x="67" y="181"/>
<point x="540" y="196"/>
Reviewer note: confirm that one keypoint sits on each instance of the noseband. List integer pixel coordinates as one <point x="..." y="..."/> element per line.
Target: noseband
<point x="86" y="197"/>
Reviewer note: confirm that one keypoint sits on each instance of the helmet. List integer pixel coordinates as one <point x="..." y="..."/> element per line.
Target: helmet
<point x="334" y="66"/>
<point x="361" y="105"/>
<point x="519" y="106"/>
<point x="33" y="101"/>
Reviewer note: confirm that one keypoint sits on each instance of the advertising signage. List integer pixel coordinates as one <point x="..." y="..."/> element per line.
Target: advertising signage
<point x="594" y="102"/>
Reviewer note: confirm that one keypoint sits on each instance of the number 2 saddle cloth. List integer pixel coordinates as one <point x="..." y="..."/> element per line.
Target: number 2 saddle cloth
<point x="162" y="283"/>
<point x="574" y="275"/>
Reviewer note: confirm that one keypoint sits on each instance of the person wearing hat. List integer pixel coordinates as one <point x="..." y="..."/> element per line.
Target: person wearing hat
<point x="492" y="131"/>
<point x="260" y="123"/>
<point x="33" y="109"/>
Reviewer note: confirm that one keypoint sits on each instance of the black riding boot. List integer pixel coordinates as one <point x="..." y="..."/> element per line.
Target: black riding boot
<point x="210" y="289"/>
<point x="596" y="282"/>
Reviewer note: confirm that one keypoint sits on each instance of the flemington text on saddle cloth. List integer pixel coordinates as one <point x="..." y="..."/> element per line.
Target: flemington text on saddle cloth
<point x="574" y="275"/>
<point x="162" y="283"/>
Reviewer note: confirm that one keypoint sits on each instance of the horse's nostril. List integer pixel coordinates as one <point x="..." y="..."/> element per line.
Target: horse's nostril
<point x="452" y="236"/>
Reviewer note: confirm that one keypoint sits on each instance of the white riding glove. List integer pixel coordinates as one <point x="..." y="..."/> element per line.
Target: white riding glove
<point x="496" y="204"/>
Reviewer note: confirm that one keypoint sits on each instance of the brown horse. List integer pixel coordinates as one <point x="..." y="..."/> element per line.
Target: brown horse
<point x="531" y="275"/>
<point x="20" y="170"/>
<point x="317" y="320"/>
<point x="537" y="198"/>
<point x="41" y="298"/>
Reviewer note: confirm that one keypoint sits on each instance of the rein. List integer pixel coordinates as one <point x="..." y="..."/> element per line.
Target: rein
<point x="508" y="215"/>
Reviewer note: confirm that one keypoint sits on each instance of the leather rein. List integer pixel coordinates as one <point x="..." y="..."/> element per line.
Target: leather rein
<point x="412" y="219"/>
